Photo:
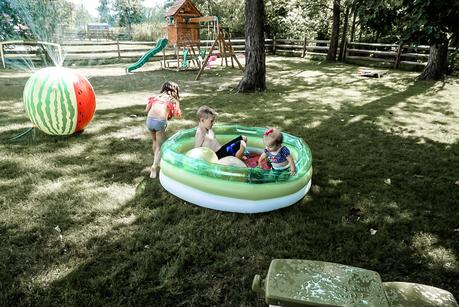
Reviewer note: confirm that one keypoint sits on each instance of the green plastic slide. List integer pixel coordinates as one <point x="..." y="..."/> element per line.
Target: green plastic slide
<point x="160" y="45"/>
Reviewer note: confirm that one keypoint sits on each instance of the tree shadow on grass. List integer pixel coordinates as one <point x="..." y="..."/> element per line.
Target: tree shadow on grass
<point x="178" y="254"/>
<point x="156" y="248"/>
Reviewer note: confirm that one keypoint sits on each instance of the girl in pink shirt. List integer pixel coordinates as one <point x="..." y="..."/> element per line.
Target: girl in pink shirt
<point x="160" y="109"/>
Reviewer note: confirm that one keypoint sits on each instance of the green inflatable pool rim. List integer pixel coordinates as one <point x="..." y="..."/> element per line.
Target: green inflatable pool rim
<point x="243" y="183"/>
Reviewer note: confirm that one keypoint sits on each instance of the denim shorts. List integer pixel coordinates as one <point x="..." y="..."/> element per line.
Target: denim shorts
<point x="155" y="125"/>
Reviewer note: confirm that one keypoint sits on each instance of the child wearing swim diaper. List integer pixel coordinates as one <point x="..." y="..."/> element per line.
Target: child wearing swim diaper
<point x="160" y="109"/>
<point x="276" y="153"/>
<point x="205" y="136"/>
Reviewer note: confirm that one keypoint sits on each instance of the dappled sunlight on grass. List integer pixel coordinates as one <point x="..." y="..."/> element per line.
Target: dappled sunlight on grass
<point x="127" y="157"/>
<point x="231" y="118"/>
<point x="128" y="132"/>
<point x="14" y="129"/>
<point x="105" y="197"/>
<point x="430" y="250"/>
<point x="312" y="124"/>
<point x="99" y="127"/>
<point x="380" y="214"/>
<point x="356" y="119"/>
<point x="12" y="107"/>
<point x="309" y="74"/>
<point x="30" y="163"/>
<point x="183" y="123"/>
<point x="52" y="273"/>
<point x="114" y="101"/>
<point x="83" y="224"/>
<point x="426" y="108"/>
<point x="48" y="187"/>
<point x="98" y="228"/>
<point x="75" y="236"/>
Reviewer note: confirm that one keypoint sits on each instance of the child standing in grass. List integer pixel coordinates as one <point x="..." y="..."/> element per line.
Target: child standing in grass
<point x="276" y="153"/>
<point x="205" y="137"/>
<point x="160" y="109"/>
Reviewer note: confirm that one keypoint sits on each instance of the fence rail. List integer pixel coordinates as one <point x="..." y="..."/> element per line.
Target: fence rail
<point x="394" y="55"/>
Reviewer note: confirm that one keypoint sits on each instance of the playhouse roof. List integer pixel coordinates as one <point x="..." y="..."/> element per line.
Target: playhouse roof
<point x="183" y="7"/>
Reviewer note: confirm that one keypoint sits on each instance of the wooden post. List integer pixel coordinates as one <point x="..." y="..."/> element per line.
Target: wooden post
<point x="220" y="49"/>
<point x="305" y="44"/>
<point x="345" y="50"/>
<point x="177" y="54"/>
<point x="194" y="58"/>
<point x="206" y="59"/>
<point x="118" y="48"/>
<point x="224" y="49"/>
<point x="399" y="55"/>
<point x="164" y="57"/>
<point x="220" y="43"/>
<point x="200" y="59"/>
<point x="230" y="47"/>
<point x="43" y="54"/>
<point x="61" y="58"/>
<point x="1" y="52"/>
<point x="274" y="45"/>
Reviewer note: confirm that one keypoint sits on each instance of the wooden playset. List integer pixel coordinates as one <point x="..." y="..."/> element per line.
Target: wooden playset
<point x="184" y="22"/>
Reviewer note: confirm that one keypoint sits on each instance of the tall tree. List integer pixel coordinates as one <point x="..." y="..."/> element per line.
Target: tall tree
<point x="434" y="22"/>
<point x="11" y="24"/>
<point x="128" y="12"/>
<point x="297" y="18"/>
<point x="104" y="12"/>
<point x="82" y="16"/>
<point x="254" y="78"/>
<point x="46" y="20"/>
<point x="342" y="45"/>
<point x="331" y="54"/>
<point x="382" y="17"/>
<point x="420" y="22"/>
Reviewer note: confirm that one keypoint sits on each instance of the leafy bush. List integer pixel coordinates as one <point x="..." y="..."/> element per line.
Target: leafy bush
<point x="147" y="31"/>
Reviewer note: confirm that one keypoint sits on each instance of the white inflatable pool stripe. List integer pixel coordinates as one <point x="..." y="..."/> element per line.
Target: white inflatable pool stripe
<point x="229" y="204"/>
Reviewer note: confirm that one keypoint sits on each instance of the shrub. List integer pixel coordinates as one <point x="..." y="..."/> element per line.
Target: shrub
<point x="147" y="31"/>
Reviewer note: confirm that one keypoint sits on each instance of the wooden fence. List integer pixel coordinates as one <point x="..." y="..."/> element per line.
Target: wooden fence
<point x="393" y="55"/>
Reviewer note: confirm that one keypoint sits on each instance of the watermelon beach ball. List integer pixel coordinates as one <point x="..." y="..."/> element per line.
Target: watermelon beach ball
<point x="59" y="101"/>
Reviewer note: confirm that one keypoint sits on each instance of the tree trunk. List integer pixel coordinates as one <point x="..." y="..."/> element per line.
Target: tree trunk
<point x="343" y="38"/>
<point x="331" y="55"/>
<point x="254" y="78"/>
<point x="128" y="23"/>
<point x="377" y="36"/>
<point x="437" y="65"/>
<point x="353" y="24"/>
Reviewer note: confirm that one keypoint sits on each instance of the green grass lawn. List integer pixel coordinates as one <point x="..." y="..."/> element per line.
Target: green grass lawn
<point x="81" y="223"/>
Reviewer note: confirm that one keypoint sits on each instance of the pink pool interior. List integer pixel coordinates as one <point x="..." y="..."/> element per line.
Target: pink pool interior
<point x="252" y="161"/>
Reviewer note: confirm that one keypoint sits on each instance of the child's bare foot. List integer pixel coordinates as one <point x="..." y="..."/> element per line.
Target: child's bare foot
<point x="153" y="171"/>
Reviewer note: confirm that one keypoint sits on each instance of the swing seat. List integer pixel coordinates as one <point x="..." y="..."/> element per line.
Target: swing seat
<point x="211" y="61"/>
<point x="203" y="53"/>
<point x="185" y="61"/>
<point x="186" y="57"/>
